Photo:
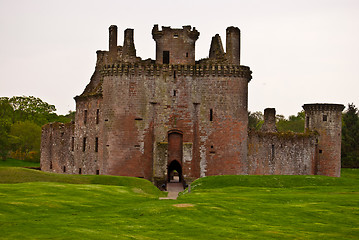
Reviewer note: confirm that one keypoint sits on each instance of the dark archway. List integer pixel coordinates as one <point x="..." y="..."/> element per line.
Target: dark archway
<point x="174" y="172"/>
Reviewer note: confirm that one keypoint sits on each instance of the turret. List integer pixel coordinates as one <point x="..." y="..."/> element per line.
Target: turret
<point x="326" y="120"/>
<point x="175" y="46"/>
<point x="233" y="48"/>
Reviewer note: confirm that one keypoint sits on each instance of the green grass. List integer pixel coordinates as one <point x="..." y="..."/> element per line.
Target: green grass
<point x="18" y="163"/>
<point x="47" y="206"/>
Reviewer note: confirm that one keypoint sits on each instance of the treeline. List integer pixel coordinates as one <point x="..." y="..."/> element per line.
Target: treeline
<point x="21" y="119"/>
<point x="295" y="123"/>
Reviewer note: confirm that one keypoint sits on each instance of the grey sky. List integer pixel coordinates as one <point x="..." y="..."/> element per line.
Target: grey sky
<point x="300" y="51"/>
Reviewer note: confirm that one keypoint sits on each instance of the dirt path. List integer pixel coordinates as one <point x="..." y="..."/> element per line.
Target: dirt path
<point x="173" y="189"/>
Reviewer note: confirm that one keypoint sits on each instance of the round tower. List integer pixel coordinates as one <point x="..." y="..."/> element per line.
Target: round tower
<point x="175" y="46"/>
<point x="326" y="119"/>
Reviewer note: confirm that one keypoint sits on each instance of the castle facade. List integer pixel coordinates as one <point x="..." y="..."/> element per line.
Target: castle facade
<point x="153" y="118"/>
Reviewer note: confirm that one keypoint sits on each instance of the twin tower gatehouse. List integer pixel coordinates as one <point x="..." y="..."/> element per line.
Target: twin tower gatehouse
<point x="175" y="115"/>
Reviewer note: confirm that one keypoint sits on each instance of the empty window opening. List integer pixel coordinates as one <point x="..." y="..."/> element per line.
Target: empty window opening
<point x="138" y="119"/>
<point x="325" y="118"/>
<point x="72" y="143"/>
<point x="175" y="36"/>
<point x="211" y="146"/>
<point x="272" y="152"/>
<point x="186" y="54"/>
<point x="64" y="169"/>
<point x="97" y="116"/>
<point x="80" y="171"/>
<point x="307" y="122"/>
<point x="96" y="144"/>
<point x="166" y="57"/>
<point x="106" y="120"/>
<point x="97" y="172"/>
<point x="211" y="114"/>
<point x="85" y="116"/>
<point x="50" y="164"/>
<point x="320" y="150"/>
<point x="84" y="144"/>
<point x="174" y="74"/>
<point x="62" y="134"/>
<point x="174" y="93"/>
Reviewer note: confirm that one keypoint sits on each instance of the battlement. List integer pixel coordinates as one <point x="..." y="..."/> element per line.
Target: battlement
<point x="177" y="69"/>
<point x="323" y="107"/>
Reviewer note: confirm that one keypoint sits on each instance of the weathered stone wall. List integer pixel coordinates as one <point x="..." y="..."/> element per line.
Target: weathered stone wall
<point x="281" y="153"/>
<point x="57" y="154"/>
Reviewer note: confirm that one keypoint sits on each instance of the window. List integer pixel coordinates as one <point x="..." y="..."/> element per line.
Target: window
<point x="80" y="171"/>
<point x="64" y="169"/>
<point x="325" y="118"/>
<point x="97" y="116"/>
<point x="166" y="57"/>
<point x="272" y="152"/>
<point x="211" y="115"/>
<point x="174" y="74"/>
<point x="85" y="116"/>
<point x="174" y="93"/>
<point x="307" y="122"/>
<point x="97" y="172"/>
<point x="320" y="150"/>
<point x="175" y="36"/>
<point x="84" y="144"/>
<point x="186" y="54"/>
<point x="96" y="144"/>
<point x="72" y="143"/>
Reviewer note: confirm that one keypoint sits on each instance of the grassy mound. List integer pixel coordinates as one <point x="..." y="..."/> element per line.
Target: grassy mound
<point x="23" y="175"/>
<point x="349" y="178"/>
<point x="219" y="207"/>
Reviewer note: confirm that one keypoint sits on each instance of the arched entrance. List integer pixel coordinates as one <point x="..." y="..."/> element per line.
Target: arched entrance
<point x="174" y="163"/>
<point x="174" y="172"/>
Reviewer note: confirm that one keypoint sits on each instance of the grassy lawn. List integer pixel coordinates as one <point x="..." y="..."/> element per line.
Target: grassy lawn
<point x="18" y="163"/>
<point x="56" y="206"/>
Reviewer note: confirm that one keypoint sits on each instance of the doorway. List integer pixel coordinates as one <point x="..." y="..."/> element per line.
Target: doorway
<point x="174" y="164"/>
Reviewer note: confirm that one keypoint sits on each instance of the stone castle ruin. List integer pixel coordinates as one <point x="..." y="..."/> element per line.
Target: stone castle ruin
<point x="175" y="115"/>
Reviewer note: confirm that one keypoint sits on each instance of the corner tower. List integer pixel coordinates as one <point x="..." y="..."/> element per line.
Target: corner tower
<point x="326" y="119"/>
<point x="175" y="46"/>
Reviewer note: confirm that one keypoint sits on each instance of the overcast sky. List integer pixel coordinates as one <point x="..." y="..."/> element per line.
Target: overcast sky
<point x="300" y="51"/>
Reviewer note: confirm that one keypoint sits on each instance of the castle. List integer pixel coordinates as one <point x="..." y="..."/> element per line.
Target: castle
<point x="153" y="118"/>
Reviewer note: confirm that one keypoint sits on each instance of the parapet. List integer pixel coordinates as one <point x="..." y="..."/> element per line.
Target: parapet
<point x="323" y="107"/>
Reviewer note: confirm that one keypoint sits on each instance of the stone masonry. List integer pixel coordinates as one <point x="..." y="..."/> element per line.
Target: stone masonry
<point x="151" y="118"/>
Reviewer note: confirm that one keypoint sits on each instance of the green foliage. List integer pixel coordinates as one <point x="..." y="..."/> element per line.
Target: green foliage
<point x="350" y="137"/>
<point x="255" y="120"/>
<point x="306" y="207"/>
<point x="21" y="119"/>
<point x="293" y="123"/>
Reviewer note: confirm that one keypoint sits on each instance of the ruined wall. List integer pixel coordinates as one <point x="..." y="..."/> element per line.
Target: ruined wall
<point x="57" y="153"/>
<point x="281" y="153"/>
<point x="88" y="143"/>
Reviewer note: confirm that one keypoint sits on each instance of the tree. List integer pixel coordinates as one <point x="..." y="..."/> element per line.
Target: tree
<point x="350" y="137"/>
<point x="294" y="123"/>
<point x="255" y="120"/>
<point x="28" y="138"/>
